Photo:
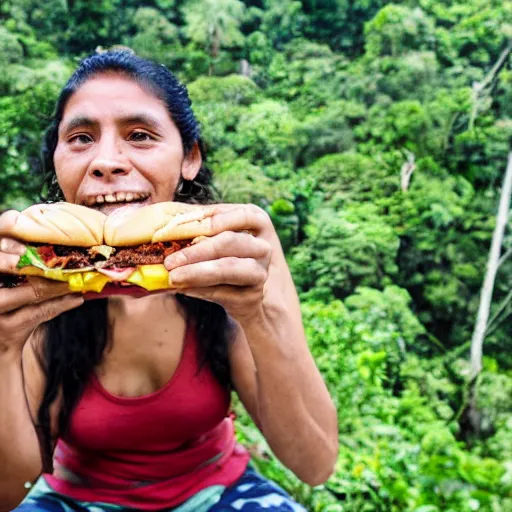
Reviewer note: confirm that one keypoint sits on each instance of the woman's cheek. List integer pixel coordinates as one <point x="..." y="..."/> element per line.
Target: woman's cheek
<point x="69" y="177"/>
<point x="163" y="175"/>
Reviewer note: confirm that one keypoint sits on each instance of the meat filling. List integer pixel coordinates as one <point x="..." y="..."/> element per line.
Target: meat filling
<point x="145" y="254"/>
<point x="65" y="257"/>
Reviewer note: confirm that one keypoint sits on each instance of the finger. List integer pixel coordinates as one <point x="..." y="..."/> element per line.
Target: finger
<point x="8" y="263"/>
<point x="30" y="293"/>
<point x="45" y="289"/>
<point x="215" y="219"/>
<point x="8" y="221"/>
<point x="37" y="314"/>
<point x="228" y="243"/>
<point x="221" y="294"/>
<point x="230" y="271"/>
<point x="11" y="246"/>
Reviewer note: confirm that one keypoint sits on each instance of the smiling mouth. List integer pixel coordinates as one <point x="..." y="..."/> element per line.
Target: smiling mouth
<point x="117" y="198"/>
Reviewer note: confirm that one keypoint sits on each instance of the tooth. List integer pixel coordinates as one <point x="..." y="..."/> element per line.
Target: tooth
<point x="100" y="199"/>
<point x="90" y="201"/>
<point x="121" y="196"/>
<point x="129" y="196"/>
<point x="109" y="198"/>
<point x="136" y="196"/>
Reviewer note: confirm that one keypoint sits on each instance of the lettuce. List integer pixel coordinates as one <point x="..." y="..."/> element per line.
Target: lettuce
<point x="31" y="258"/>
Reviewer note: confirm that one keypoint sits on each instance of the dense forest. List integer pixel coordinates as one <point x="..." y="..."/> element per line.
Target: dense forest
<point x="376" y="136"/>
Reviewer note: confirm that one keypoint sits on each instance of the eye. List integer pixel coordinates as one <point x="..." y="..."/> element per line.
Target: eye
<point x="80" y="139"/>
<point x="141" y="137"/>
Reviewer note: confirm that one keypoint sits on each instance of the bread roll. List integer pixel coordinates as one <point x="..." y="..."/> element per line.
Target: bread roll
<point x="141" y="225"/>
<point x="186" y="226"/>
<point x="59" y="223"/>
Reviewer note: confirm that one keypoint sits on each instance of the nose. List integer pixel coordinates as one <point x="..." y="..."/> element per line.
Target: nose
<point x="109" y="162"/>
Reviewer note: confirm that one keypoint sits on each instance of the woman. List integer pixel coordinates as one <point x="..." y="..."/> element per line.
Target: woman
<point x="133" y="394"/>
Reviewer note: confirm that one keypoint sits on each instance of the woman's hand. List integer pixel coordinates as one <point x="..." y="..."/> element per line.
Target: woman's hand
<point x="25" y="307"/>
<point x="232" y="265"/>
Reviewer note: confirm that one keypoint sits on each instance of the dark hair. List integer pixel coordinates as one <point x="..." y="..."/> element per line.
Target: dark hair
<point x="75" y="341"/>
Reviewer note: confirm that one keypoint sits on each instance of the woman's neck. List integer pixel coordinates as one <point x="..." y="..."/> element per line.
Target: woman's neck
<point x="151" y="306"/>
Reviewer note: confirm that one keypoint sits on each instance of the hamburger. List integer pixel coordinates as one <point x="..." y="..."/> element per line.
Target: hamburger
<point x="116" y="254"/>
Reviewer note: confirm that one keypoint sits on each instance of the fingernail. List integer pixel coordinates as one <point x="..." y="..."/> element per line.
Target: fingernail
<point x="175" y="277"/>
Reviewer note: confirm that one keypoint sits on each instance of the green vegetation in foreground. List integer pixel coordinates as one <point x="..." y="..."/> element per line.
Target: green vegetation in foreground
<point x="318" y="111"/>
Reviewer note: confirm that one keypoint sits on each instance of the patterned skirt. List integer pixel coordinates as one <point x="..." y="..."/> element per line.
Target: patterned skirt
<point x="251" y="493"/>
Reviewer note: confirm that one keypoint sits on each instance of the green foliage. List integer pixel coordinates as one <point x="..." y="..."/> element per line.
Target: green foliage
<point x="283" y="21"/>
<point x="397" y="29"/>
<point x="350" y="177"/>
<point x="22" y="119"/>
<point x="155" y="38"/>
<point x="11" y="51"/>
<point x="398" y="125"/>
<point x="306" y="72"/>
<point x="445" y="235"/>
<point x="233" y="89"/>
<point x="92" y="24"/>
<point x="340" y="22"/>
<point x="267" y="132"/>
<point x="214" y="24"/>
<point x="343" y="250"/>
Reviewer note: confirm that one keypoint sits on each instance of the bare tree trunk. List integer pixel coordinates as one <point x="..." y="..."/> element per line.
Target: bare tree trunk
<point x="406" y="171"/>
<point x="490" y="275"/>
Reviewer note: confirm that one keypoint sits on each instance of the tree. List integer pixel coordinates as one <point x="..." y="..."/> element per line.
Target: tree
<point x="214" y="24"/>
<point x="492" y="268"/>
<point x="397" y="29"/>
<point x="343" y="250"/>
<point x="340" y="23"/>
<point x="155" y="38"/>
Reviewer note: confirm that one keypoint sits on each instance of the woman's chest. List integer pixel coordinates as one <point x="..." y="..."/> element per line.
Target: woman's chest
<point x="142" y="357"/>
<point x="188" y="404"/>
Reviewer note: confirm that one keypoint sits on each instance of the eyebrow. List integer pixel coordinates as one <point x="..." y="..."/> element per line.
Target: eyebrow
<point x="140" y="118"/>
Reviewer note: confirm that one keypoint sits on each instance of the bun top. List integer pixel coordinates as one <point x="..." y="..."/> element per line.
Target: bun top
<point x="159" y="222"/>
<point x="75" y="225"/>
<point x="59" y="223"/>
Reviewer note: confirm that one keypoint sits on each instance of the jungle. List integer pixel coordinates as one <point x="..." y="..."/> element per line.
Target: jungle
<point x="376" y="136"/>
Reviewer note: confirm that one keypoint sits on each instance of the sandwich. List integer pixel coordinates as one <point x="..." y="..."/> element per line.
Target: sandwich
<point x="116" y="254"/>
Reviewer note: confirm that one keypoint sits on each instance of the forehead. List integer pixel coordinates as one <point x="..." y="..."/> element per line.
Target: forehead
<point x="113" y="95"/>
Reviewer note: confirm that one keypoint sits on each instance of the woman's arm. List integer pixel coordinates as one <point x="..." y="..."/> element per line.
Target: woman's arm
<point x="22" y="310"/>
<point x="273" y="370"/>
<point x="19" y="448"/>
<point x="287" y="399"/>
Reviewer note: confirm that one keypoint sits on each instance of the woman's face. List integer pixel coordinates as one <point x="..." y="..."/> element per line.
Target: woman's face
<point x="118" y="147"/>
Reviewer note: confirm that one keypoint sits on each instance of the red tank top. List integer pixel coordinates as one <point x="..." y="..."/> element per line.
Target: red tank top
<point x="153" y="451"/>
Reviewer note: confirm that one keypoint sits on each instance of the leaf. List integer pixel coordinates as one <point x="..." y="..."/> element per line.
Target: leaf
<point x="31" y="258"/>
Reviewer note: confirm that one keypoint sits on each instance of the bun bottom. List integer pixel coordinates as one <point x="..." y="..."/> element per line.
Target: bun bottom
<point x="112" y="289"/>
<point x="144" y="279"/>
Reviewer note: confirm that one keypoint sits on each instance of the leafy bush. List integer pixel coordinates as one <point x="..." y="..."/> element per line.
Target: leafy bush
<point x="345" y="249"/>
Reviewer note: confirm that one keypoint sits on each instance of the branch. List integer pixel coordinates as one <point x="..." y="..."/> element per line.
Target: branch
<point x="490" y="275"/>
<point x="505" y="257"/>
<point x="500" y="63"/>
<point x="501" y="308"/>
<point x="479" y="87"/>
